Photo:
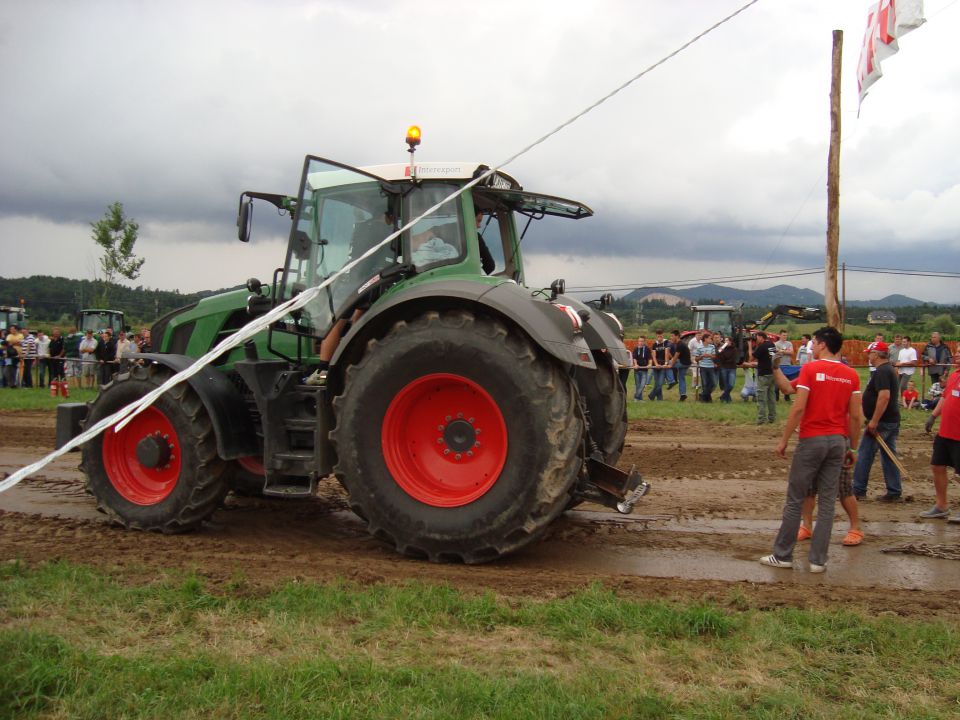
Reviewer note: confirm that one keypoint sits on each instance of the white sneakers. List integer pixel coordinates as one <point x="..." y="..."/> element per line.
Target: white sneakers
<point x="774" y="561"/>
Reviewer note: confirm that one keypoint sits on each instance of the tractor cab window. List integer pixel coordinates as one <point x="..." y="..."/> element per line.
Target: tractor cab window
<point x="341" y="214"/>
<point x="438" y="239"/>
<point x="489" y="230"/>
<point x="717" y="320"/>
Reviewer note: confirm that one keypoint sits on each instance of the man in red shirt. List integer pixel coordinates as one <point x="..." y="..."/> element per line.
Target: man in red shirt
<point x="946" y="445"/>
<point x="827" y="410"/>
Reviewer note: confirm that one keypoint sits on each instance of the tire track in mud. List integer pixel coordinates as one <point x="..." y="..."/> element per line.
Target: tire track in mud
<point x="714" y="506"/>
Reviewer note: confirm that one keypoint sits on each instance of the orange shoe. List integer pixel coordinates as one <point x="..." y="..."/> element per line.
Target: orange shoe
<point x="854" y="537"/>
<point x="804" y="533"/>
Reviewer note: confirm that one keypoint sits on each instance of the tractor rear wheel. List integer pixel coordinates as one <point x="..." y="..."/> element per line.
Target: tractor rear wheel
<point x="457" y="438"/>
<point x="606" y="402"/>
<point x="160" y="472"/>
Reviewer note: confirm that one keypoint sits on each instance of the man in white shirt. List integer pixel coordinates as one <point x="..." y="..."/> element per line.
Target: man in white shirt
<point x="88" y="349"/>
<point x="693" y="344"/>
<point x="907" y="362"/>
<point x="43" y="358"/>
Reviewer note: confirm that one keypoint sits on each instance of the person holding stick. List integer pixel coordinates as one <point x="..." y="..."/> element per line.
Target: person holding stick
<point x="882" y="411"/>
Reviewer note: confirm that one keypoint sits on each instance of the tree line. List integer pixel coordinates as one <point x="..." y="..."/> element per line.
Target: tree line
<point x="53" y="300"/>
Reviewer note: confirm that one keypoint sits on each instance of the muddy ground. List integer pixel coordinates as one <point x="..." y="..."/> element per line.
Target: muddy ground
<point x="713" y="510"/>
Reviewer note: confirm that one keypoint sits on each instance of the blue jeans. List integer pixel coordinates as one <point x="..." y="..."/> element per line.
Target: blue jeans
<point x="681" y="375"/>
<point x="639" y="382"/>
<point x="728" y="381"/>
<point x="658" y="377"/>
<point x="708" y="381"/>
<point x="868" y="450"/>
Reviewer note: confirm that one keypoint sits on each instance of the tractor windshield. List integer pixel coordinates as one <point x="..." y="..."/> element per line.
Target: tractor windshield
<point x="342" y="213"/>
<point x="98" y="320"/>
<point x="720" y="321"/>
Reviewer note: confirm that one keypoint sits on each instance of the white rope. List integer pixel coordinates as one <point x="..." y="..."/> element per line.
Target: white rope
<point x="126" y="414"/>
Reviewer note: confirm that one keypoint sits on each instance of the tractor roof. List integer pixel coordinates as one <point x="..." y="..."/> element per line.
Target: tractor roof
<point x="499" y="186"/>
<point x="440" y="170"/>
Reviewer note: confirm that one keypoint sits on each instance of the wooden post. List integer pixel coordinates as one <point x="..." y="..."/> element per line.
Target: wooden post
<point x="833" y="191"/>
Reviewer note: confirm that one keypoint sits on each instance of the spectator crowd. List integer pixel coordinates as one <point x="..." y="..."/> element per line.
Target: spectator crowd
<point x="31" y="358"/>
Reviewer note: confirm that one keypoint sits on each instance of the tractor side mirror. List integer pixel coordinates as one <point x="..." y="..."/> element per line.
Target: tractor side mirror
<point x="606" y="300"/>
<point x="258" y="305"/>
<point x="245" y="220"/>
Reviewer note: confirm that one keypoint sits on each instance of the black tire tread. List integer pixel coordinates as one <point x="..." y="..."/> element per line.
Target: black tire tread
<point x="552" y="394"/>
<point x="209" y="485"/>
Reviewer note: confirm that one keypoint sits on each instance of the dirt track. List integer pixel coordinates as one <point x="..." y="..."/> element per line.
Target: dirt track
<point x="714" y="508"/>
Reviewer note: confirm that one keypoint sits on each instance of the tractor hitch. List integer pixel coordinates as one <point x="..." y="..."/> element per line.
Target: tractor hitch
<point x="612" y="487"/>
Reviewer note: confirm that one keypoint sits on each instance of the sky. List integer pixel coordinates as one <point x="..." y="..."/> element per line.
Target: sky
<point x="712" y="165"/>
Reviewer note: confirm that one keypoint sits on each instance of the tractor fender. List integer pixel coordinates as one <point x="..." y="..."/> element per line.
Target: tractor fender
<point x="228" y="412"/>
<point x="603" y="332"/>
<point x="547" y="325"/>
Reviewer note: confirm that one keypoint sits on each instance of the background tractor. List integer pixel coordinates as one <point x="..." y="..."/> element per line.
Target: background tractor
<point x="12" y="315"/>
<point x="96" y="319"/>
<point x="461" y="411"/>
<point x="728" y="320"/>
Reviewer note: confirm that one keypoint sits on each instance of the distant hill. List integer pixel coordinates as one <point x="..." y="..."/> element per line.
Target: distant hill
<point x="776" y="295"/>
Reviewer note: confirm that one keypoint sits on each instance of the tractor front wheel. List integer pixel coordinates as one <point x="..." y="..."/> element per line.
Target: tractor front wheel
<point x="160" y="472"/>
<point x="457" y="438"/>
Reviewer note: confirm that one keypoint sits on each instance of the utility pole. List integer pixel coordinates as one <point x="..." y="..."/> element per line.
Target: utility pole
<point x="833" y="190"/>
<point x="843" y="291"/>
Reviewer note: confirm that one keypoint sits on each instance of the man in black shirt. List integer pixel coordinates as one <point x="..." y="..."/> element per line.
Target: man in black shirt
<point x="680" y="359"/>
<point x="57" y="354"/>
<point x="881" y="410"/>
<point x="763" y="355"/>
<point x="106" y="354"/>
<point x="661" y="358"/>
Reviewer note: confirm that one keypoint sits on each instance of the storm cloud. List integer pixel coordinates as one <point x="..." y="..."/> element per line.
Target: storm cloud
<point x="714" y="163"/>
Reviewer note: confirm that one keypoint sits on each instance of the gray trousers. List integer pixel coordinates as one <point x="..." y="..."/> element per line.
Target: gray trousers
<point x="816" y="459"/>
<point x="766" y="400"/>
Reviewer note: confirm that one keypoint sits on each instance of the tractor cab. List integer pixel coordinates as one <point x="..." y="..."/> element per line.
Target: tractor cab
<point x="98" y="320"/>
<point x="12" y="315"/>
<point x="342" y="213"/>
<point x="723" y="319"/>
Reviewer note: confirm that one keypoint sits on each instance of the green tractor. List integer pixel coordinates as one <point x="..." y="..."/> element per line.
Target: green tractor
<point x="461" y="411"/>
<point x="97" y="320"/>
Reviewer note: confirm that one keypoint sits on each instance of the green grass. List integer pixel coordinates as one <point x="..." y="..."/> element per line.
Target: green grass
<point x="39" y="398"/>
<point x="81" y="643"/>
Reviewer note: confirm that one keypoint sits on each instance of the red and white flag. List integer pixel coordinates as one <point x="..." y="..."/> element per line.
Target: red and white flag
<point x="886" y="21"/>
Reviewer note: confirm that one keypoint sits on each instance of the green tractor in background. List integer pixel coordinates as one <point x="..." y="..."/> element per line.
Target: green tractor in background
<point x="461" y="411"/>
<point x="97" y="320"/>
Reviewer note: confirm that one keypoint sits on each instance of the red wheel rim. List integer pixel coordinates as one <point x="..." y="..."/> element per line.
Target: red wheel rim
<point x="444" y="440"/>
<point x="136" y="482"/>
